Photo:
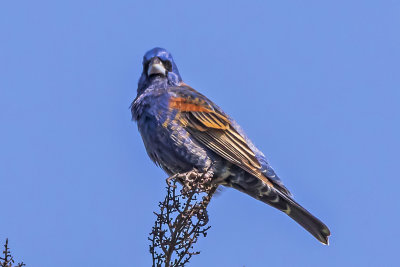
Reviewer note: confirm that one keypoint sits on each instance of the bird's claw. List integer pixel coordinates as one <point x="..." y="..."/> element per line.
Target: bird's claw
<point x="190" y="178"/>
<point x="169" y="179"/>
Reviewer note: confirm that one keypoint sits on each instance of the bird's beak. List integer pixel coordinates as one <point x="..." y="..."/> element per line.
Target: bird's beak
<point x="156" y="67"/>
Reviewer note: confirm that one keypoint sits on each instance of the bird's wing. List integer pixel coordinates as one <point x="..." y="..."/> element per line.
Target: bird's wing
<point x="209" y="125"/>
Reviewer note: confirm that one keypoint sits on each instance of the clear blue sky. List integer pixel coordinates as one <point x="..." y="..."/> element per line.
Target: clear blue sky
<point x="315" y="84"/>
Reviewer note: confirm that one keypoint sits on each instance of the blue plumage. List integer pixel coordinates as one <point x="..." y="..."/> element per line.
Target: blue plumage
<point x="182" y="130"/>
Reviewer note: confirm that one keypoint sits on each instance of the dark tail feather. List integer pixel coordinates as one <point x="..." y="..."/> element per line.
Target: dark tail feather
<point x="308" y="221"/>
<point x="283" y="202"/>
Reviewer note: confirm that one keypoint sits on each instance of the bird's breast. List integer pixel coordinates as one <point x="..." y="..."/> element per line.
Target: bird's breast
<point x="166" y="139"/>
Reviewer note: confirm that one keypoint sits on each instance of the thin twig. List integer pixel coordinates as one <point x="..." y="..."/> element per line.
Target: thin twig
<point x="182" y="219"/>
<point x="7" y="260"/>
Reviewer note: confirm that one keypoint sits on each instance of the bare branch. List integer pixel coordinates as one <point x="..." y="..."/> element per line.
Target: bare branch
<point x="182" y="219"/>
<point x="7" y="260"/>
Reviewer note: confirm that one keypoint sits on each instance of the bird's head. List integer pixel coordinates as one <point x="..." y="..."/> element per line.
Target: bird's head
<point x="159" y="66"/>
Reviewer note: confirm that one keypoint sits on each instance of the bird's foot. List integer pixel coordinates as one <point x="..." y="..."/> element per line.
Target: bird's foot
<point x="193" y="178"/>
<point x="171" y="178"/>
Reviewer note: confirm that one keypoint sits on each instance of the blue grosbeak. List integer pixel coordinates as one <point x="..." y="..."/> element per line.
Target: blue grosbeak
<point x="183" y="130"/>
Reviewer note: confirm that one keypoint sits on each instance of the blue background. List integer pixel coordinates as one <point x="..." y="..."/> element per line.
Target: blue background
<point x="315" y="84"/>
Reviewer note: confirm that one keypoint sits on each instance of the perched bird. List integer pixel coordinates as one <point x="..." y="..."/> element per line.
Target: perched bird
<point x="183" y="130"/>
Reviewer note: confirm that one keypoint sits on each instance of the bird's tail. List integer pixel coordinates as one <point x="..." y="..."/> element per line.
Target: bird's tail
<point x="308" y="221"/>
<point x="286" y="204"/>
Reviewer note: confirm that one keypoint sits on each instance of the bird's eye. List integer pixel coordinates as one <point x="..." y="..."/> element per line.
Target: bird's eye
<point x="145" y="66"/>
<point x="167" y="64"/>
